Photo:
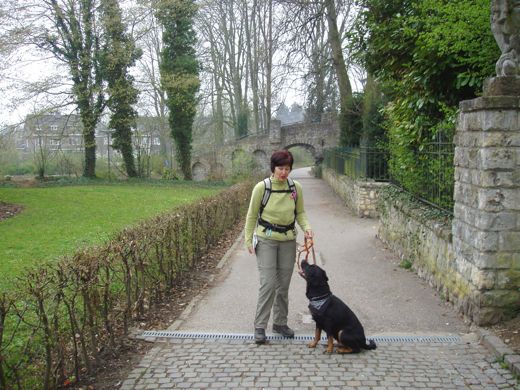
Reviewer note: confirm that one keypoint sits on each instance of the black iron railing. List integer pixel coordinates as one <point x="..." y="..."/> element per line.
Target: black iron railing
<point x="361" y="162"/>
<point x="430" y="178"/>
<point x="437" y="170"/>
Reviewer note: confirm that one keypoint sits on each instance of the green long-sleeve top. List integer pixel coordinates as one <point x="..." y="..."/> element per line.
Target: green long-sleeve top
<point x="278" y="210"/>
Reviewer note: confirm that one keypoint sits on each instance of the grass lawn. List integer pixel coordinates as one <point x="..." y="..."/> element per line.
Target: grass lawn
<point x="57" y="220"/>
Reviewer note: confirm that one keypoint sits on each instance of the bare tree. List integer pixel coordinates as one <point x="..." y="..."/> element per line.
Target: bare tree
<point x="308" y="22"/>
<point x="242" y="38"/>
<point x="148" y="35"/>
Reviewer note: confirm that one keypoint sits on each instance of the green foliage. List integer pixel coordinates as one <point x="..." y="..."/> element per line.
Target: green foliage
<point x="179" y="73"/>
<point x="427" y="55"/>
<point x="242" y="122"/>
<point x="119" y="54"/>
<point x="65" y="316"/>
<point x="302" y="157"/>
<point x="406" y="264"/>
<point x="371" y="115"/>
<point x="72" y="39"/>
<point x="57" y="220"/>
<point x="243" y="164"/>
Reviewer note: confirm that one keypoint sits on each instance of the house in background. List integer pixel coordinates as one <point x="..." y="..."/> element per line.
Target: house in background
<point x="58" y="132"/>
<point x="54" y="132"/>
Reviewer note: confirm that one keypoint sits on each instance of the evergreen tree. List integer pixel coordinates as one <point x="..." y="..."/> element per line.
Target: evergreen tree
<point x="179" y="73"/>
<point x="73" y="39"/>
<point x="119" y="54"/>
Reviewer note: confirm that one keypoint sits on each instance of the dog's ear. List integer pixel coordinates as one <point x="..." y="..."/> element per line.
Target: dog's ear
<point x="325" y="276"/>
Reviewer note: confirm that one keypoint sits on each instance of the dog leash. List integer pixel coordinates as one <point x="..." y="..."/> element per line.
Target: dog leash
<point x="308" y="249"/>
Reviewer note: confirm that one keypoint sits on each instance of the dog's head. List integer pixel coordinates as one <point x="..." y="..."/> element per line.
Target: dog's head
<point x="316" y="278"/>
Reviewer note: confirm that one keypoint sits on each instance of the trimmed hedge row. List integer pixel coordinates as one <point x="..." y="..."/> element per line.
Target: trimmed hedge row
<point x="62" y="317"/>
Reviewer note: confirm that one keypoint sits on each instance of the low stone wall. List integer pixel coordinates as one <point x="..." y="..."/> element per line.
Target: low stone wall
<point x="360" y="196"/>
<point x="420" y="235"/>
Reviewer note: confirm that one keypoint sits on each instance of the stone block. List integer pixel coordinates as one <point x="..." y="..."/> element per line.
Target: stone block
<point x="466" y="194"/>
<point x="492" y="260"/>
<point x="468" y="139"/>
<point x="483" y="279"/>
<point x="497" y="139"/>
<point x="466" y="157"/>
<point x="463" y="175"/>
<point x="490" y="103"/>
<point x="502" y="179"/>
<point x="500" y="298"/>
<point x="468" y="121"/>
<point x="502" y="86"/>
<point x="485" y="241"/>
<point x="495" y="221"/>
<point x="509" y="241"/>
<point x="508" y="279"/>
<point x="465" y="269"/>
<point x="486" y="315"/>
<point x="496" y="158"/>
<point x="500" y="120"/>
<point x="466" y="214"/>
<point x="491" y="200"/>
<point x="463" y="251"/>
<point x="511" y="198"/>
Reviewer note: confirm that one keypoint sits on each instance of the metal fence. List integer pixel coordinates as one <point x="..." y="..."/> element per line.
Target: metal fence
<point x="437" y="175"/>
<point x="362" y="162"/>
<point x="430" y="178"/>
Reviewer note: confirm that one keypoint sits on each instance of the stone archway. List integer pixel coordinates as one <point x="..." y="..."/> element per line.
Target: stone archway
<point x="199" y="172"/>
<point x="308" y="148"/>
<point x="261" y="160"/>
<point x="218" y="172"/>
<point x="242" y="163"/>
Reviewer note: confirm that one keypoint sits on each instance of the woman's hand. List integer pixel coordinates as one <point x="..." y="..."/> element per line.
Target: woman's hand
<point x="250" y="250"/>
<point x="308" y="234"/>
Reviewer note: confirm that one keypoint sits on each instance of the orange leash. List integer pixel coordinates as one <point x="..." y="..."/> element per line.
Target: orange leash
<point x="308" y="249"/>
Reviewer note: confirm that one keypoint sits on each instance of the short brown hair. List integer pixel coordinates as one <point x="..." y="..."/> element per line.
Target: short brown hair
<point x="281" y="158"/>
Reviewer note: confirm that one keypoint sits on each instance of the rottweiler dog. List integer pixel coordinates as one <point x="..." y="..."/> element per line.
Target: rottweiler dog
<point x="332" y="315"/>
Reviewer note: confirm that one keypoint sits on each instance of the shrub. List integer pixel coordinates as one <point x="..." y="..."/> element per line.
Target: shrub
<point x="65" y="315"/>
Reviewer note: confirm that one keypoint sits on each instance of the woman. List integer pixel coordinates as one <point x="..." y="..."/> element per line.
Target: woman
<point x="270" y="223"/>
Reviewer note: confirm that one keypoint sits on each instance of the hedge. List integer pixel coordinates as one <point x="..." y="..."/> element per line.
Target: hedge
<point x="61" y="317"/>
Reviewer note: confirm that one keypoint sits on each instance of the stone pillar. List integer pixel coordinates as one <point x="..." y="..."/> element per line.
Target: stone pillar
<point x="486" y="225"/>
<point x="275" y="132"/>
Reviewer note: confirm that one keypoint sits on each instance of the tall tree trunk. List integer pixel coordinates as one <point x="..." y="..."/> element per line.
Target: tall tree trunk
<point x="252" y="56"/>
<point x="345" y="88"/>
<point x="218" y="113"/>
<point x="269" y="65"/>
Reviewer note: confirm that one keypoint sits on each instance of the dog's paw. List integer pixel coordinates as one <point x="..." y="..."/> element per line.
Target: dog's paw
<point x="329" y="351"/>
<point x="312" y="344"/>
<point x="343" y="350"/>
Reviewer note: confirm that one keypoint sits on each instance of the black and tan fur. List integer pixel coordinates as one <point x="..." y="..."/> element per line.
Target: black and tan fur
<point x="332" y="315"/>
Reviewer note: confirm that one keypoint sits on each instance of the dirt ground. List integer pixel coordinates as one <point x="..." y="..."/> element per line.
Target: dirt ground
<point x="9" y="210"/>
<point x="509" y="332"/>
<point x="116" y="367"/>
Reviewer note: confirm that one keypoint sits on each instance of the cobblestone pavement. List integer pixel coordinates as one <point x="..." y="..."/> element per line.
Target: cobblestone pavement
<point x="241" y="364"/>
<point x="387" y="299"/>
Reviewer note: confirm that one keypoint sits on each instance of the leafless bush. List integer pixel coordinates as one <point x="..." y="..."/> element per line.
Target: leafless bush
<point x="67" y="314"/>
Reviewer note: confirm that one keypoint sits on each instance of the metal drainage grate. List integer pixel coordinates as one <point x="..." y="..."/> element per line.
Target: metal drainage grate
<point x="246" y="336"/>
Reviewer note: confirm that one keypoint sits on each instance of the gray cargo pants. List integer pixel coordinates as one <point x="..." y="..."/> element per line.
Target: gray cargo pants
<point x="275" y="261"/>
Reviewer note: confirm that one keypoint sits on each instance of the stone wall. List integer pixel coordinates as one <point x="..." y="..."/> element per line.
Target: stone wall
<point x="360" y="196"/>
<point x="486" y="226"/>
<point x="313" y="136"/>
<point x="418" y="234"/>
<point x="474" y="259"/>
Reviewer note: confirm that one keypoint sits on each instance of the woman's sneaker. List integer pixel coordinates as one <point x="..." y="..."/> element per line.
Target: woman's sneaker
<point x="259" y="335"/>
<point x="284" y="330"/>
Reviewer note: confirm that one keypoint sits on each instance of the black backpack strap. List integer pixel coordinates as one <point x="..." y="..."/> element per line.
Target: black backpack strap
<point x="266" y="196"/>
<point x="292" y="187"/>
